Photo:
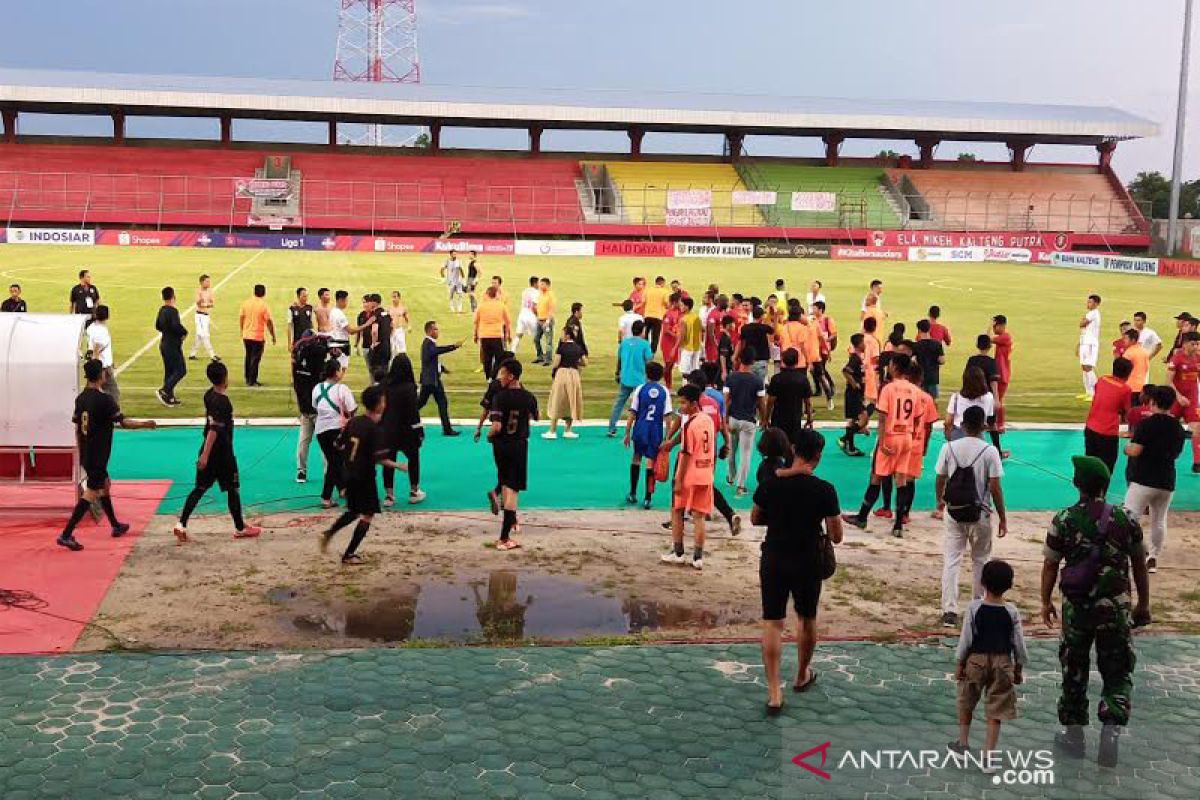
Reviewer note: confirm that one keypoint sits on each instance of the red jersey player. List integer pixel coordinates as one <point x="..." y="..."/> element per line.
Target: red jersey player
<point x="1003" y="342"/>
<point x="1184" y="369"/>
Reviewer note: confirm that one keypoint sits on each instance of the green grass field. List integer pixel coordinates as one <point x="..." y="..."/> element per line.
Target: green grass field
<point x="1043" y="306"/>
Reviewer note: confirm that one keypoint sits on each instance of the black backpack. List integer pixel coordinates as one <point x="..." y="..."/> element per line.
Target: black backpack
<point x="963" y="502"/>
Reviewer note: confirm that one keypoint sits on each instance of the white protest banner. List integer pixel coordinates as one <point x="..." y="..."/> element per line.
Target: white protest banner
<point x="689" y="198"/>
<point x="689" y="217"/>
<point x="814" y="201"/>
<point x="754" y="198"/>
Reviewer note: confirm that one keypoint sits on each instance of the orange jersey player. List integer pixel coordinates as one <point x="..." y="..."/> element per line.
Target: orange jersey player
<point x="900" y="411"/>
<point x="693" y="490"/>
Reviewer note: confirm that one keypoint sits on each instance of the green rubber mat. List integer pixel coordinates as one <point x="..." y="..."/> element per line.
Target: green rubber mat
<point x="591" y="472"/>
<point x="584" y="723"/>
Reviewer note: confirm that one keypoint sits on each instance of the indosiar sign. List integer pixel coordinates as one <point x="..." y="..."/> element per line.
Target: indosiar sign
<point x="69" y="236"/>
<point x="1100" y="262"/>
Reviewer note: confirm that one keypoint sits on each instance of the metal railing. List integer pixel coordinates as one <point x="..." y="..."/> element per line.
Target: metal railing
<point x="83" y="198"/>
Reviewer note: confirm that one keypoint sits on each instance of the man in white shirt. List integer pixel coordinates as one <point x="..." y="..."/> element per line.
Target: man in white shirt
<point x="706" y="307"/>
<point x="339" y="329"/>
<point x="527" y="317"/>
<point x="625" y="328"/>
<point x="452" y="270"/>
<point x="100" y="346"/>
<point x="1089" y="346"/>
<point x="1150" y="341"/>
<point x="969" y="524"/>
<point x="814" y="296"/>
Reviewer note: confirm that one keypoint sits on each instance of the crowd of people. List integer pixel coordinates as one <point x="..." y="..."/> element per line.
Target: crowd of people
<point x="701" y="382"/>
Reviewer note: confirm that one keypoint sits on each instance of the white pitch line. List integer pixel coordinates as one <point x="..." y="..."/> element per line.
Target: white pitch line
<point x="155" y="339"/>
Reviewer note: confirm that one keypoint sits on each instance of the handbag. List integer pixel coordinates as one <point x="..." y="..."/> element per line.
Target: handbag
<point x="828" y="557"/>
<point x="1078" y="580"/>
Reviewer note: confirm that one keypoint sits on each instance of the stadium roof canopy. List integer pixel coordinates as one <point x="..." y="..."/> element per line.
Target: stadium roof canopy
<point x="254" y="98"/>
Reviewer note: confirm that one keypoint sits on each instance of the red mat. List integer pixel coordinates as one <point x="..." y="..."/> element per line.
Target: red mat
<point x="71" y="584"/>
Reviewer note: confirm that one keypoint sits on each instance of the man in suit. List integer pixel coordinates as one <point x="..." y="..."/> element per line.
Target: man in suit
<point x="431" y="375"/>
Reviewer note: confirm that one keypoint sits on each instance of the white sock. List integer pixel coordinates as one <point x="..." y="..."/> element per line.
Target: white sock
<point x="1089" y="382"/>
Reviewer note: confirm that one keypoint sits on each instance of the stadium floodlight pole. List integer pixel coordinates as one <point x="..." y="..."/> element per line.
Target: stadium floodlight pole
<point x="1180" y="119"/>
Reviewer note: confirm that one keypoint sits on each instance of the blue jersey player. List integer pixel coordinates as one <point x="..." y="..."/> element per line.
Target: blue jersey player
<point x="648" y="409"/>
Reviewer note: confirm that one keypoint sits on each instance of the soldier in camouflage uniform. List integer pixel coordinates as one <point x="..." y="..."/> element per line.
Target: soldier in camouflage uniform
<point x="1095" y="607"/>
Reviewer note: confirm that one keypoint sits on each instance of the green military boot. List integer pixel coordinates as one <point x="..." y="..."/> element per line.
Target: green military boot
<point x="1106" y="756"/>
<point x="1069" y="741"/>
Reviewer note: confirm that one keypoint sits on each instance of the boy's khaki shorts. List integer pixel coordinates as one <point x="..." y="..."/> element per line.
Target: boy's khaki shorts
<point x="992" y="675"/>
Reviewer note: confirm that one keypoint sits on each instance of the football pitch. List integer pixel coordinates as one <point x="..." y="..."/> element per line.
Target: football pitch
<point x="1043" y="306"/>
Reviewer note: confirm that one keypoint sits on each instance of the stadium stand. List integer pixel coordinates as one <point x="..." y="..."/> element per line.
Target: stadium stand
<point x="641" y="190"/>
<point x="1042" y="199"/>
<point x="196" y="186"/>
<point x="863" y="200"/>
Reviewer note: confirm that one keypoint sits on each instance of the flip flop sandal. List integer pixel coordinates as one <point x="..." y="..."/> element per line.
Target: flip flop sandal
<point x="804" y="687"/>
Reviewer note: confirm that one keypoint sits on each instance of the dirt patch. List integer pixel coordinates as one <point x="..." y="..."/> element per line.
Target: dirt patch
<point x="581" y="576"/>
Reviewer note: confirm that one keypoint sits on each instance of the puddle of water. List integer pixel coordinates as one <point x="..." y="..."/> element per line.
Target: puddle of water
<point x="505" y="606"/>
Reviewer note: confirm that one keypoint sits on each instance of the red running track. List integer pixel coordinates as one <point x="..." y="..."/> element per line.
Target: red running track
<point x="70" y="584"/>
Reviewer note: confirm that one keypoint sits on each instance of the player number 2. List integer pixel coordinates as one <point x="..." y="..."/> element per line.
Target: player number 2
<point x="650" y="413"/>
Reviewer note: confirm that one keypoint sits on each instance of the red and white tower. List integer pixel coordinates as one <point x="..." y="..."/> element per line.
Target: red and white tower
<point x="377" y="43"/>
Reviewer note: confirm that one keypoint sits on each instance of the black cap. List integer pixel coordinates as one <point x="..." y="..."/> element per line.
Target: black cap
<point x="1184" y="315"/>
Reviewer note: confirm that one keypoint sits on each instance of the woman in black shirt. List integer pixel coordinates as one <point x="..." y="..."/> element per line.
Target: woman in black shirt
<point x="402" y="428"/>
<point x="566" y="393"/>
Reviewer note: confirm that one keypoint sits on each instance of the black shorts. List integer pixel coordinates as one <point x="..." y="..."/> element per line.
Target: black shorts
<point x="512" y="464"/>
<point x="362" y="496"/>
<point x="781" y="577"/>
<point x="223" y="473"/>
<point x="853" y="404"/>
<point x="96" y="475"/>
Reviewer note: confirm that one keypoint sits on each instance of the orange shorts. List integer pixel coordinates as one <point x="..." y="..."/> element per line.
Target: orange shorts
<point x="916" y="461"/>
<point x="697" y="499"/>
<point x="896" y="463"/>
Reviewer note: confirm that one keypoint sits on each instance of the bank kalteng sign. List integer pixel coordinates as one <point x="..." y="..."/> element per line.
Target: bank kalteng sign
<point x="1101" y="262"/>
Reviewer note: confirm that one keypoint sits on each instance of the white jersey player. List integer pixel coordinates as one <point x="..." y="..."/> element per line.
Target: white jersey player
<point x="1089" y="346"/>
<point x="206" y="300"/>
<point x="527" y="317"/>
<point x="452" y="271"/>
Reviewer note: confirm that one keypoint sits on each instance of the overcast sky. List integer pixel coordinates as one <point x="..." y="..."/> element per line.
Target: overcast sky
<point x="1123" y="53"/>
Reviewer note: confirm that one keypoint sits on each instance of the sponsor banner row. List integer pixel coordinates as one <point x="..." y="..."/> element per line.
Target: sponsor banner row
<point x="552" y="247"/>
<point x="292" y="241"/>
<point x="1021" y="240"/>
<point x="714" y="250"/>
<point x="69" y="236"/>
<point x="1101" y="262"/>
<point x="636" y="249"/>
<point x="791" y="250"/>
<point x="1176" y="268"/>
